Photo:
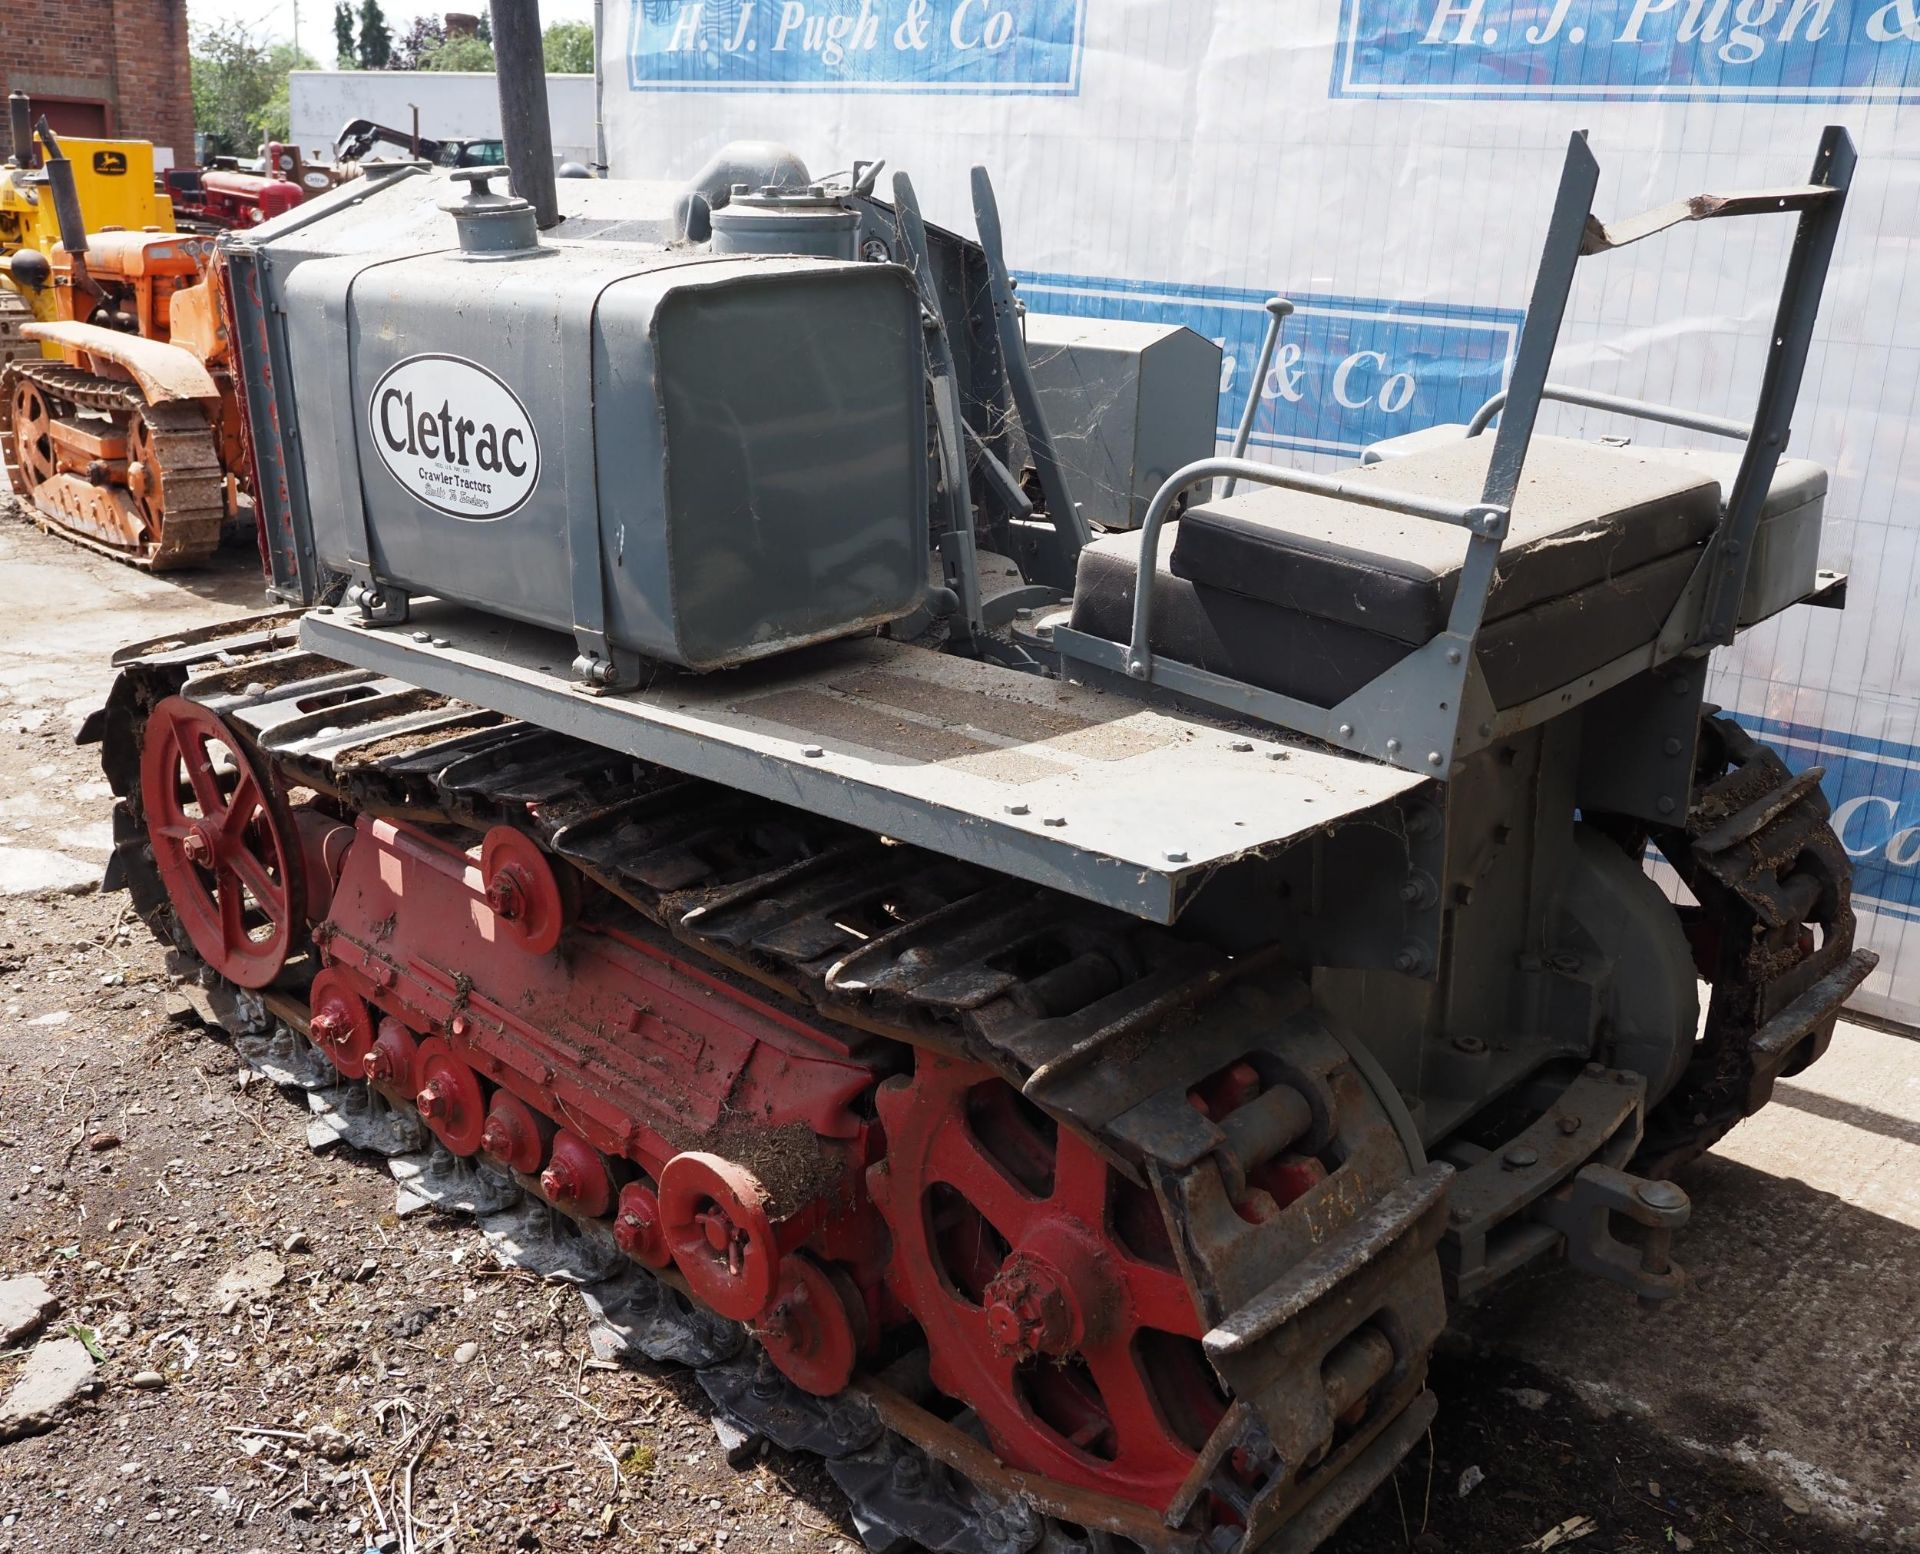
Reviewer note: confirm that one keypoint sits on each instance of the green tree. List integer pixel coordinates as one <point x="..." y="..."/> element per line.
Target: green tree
<point x="462" y="53"/>
<point x="345" y="55"/>
<point x="568" y="48"/>
<point x="376" y="38"/>
<point x="240" y="87"/>
<point x="424" y="34"/>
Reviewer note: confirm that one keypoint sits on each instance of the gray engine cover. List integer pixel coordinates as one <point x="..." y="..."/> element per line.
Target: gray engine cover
<point x="710" y="459"/>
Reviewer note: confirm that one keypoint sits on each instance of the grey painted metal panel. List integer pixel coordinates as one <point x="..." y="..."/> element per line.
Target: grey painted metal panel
<point x="1049" y="781"/>
<point x="1127" y="403"/>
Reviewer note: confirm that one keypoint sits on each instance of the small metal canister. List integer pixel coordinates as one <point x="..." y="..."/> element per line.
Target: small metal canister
<point x="786" y="221"/>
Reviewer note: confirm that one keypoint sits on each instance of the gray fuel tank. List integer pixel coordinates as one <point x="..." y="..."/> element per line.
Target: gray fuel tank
<point x="717" y="458"/>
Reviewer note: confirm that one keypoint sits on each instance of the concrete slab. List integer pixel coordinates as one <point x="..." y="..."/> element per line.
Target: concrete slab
<point x="1797" y="1351"/>
<point x="57" y="1375"/>
<point x="25" y="1303"/>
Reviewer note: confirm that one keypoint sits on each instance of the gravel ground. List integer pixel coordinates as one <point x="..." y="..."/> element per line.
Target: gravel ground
<point x="283" y="1363"/>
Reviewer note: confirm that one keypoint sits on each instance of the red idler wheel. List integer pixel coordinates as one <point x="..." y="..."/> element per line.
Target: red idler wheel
<point x="576" y="1177"/>
<point x="637" y="1229"/>
<point x="339" y="1023"/>
<point x="522" y="889"/>
<point x="223" y="841"/>
<point x="1046" y="1284"/>
<point x="515" y="1134"/>
<point x="449" y="1097"/>
<point x="394" y="1057"/>
<point x="809" y="1331"/>
<point x="714" y="1215"/>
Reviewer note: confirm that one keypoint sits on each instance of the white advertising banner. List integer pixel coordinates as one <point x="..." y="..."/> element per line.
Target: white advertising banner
<point x="1389" y="166"/>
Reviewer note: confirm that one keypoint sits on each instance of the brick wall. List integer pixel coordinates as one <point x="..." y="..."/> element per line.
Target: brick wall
<point x="130" y="56"/>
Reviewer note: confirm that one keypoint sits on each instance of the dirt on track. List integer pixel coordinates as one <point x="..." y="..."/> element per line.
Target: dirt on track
<point x="143" y="1164"/>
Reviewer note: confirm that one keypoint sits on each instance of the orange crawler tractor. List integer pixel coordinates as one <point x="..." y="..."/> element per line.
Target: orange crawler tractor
<point x="124" y="435"/>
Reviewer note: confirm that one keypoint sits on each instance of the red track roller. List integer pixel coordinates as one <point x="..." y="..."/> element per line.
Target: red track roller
<point x="515" y="1135"/>
<point x="576" y="1177"/>
<point x="340" y="1023"/>
<point x="715" y="1216"/>
<point x="637" y="1227"/>
<point x="449" y="1097"/>
<point x="394" y="1058"/>
<point x="522" y="889"/>
<point x="223" y="841"/>
<point x="809" y="1331"/>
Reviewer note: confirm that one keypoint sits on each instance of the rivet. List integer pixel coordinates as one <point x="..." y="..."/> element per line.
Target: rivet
<point x="1671" y="746"/>
<point x="1054" y="820"/>
<point x="1018" y="809"/>
<point x="1472" y="1046"/>
<point x="1435" y="758"/>
<point x="1520" y="1158"/>
<point x="1569" y="1125"/>
<point x="1277" y="755"/>
<point x="1176" y="856"/>
<point x="1345" y="731"/>
<point x="1453" y="655"/>
<point x="1393" y="747"/>
<point x="813" y="752"/>
<point x="1240" y="747"/>
<point x="1665" y="806"/>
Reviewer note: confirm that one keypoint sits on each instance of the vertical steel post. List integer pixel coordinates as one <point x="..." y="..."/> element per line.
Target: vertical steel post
<point x="520" y="67"/>
<point x="20" y="117"/>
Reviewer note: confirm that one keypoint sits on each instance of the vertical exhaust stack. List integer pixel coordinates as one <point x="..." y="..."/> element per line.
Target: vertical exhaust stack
<point x="521" y="69"/>
<point x="20" y="119"/>
<point x="66" y="208"/>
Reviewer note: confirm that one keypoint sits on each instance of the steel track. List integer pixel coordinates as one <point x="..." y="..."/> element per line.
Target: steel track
<point x="192" y="477"/>
<point x="778" y="896"/>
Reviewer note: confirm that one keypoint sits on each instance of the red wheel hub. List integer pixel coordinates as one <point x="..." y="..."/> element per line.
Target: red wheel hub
<point x="1045" y="1283"/>
<point x="340" y="1024"/>
<point x="576" y="1176"/>
<point x="713" y="1213"/>
<point x="515" y="1134"/>
<point x="223" y="841"/>
<point x="394" y="1056"/>
<point x="637" y="1229"/>
<point x="809" y="1331"/>
<point x="522" y="889"/>
<point x="449" y="1098"/>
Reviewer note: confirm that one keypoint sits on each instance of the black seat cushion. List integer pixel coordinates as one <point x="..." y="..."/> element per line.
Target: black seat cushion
<point x="1524" y="654"/>
<point x="1584" y="513"/>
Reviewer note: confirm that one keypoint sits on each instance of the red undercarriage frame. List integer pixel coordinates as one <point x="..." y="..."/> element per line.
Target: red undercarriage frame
<point x="836" y="1192"/>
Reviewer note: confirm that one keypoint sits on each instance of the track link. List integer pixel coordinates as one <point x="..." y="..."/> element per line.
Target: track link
<point x="182" y="450"/>
<point x="1068" y="1002"/>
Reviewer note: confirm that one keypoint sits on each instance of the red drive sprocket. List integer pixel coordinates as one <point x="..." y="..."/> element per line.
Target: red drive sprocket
<point x="1045" y="1283"/>
<point x="223" y="842"/>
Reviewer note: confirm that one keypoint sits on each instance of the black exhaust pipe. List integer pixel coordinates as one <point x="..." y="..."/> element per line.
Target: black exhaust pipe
<point x="20" y="118"/>
<point x="66" y="208"/>
<point x="520" y="67"/>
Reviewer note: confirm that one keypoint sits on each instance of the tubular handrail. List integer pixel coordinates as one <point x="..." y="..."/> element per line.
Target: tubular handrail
<point x="1480" y="517"/>
<point x="1641" y="409"/>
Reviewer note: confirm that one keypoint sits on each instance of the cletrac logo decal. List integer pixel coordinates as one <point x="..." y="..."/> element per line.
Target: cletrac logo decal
<point x="1787" y="51"/>
<point x="110" y="164"/>
<point x="995" y="47"/>
<point x="1348" y="371"/>
<point x="454" y="436"/>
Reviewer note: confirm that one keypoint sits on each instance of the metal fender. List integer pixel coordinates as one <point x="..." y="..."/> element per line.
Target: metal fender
<point x="165" y="373"/>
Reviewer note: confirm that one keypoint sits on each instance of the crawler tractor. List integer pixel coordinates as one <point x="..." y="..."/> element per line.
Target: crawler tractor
<point x="113" y="187"/>
<point x="124" y="435"/>
<point x="1047" y="1021"/>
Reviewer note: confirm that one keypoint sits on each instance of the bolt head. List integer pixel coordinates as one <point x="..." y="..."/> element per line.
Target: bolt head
<point x="1662" y="1195"/>
<point x="1176" y="856"/>
<point x="1569" y="1125"/>
<point x="432" y="1101"/>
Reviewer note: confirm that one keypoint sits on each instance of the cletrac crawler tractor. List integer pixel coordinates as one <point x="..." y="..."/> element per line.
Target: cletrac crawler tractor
<point x="1049" y="1022"/>
<point x="124" y="434"/>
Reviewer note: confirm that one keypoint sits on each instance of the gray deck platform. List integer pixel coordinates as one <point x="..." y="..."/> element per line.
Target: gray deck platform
<point x="1052" y="782"/>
